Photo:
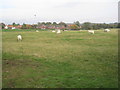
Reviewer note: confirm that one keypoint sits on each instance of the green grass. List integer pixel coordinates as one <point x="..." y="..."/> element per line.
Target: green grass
<point x="73" y="59"/>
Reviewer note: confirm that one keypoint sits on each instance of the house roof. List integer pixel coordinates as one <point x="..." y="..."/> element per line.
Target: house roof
<point x="10" y="25"/>
<point x="19" y="26"/>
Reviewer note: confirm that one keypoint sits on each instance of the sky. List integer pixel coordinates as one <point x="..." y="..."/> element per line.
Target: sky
<point x="69" y="11"/>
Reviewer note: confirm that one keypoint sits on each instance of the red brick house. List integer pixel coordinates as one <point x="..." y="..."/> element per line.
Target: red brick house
<point x="12" y="27"/>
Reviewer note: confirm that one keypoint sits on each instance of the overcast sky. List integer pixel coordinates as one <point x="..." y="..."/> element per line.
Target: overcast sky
<point x="33" y="11"/>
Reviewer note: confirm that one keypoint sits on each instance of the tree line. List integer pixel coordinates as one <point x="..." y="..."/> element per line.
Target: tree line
<point x="74" y="26"/>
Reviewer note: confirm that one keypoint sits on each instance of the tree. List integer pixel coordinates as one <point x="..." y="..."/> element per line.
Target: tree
<point x="48" y="23"/>
<point x="87" y="25"/>
<point x="95" y="26"/>
<point x="54" y="23"/>
<point x="33" y="26"/>
<point x="104" y="25"/>
<point x="24" y="26"/>
<point x="2" y="25"/>
<point x="18" y="24"/>
<point x="13" y="24"/>
<point x="74" y="27"/>
<point x="43" y="23"/>
<point x="39" y="23"/>
<point x="77" y="23"/>
<point x="62" y="24"/>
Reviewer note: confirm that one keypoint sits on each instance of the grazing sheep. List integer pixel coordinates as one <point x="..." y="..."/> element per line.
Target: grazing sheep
<point x="58" y="31"/>
<point x="53" y="31"/>
<point x="106" y="30"/>
<point x="91" y="31"/>
<point x="37" y="31"/>
<point x="19" y="38"/>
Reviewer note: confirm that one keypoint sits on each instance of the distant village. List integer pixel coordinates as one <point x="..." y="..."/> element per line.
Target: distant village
<point x="43" y="25"/>
<point x="28" y="26"/>
<point x="69" y="26"/>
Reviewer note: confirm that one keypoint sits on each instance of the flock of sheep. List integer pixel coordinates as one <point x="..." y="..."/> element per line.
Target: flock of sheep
<point x="19" y="37"/>
<point x="89" y="31"/>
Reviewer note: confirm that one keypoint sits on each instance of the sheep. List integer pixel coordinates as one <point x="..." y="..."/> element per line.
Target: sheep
<point x="19" y="38"/>
<point x="91" y="31"/>
<point x="58" y="31"/>
<point x="53" y="31"/>
<point x="106" y="30"/>
<point x="37" y="31"/>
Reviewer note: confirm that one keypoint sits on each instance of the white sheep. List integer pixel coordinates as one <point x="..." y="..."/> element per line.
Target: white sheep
<point x="58" y="31"/>
<point x="53" y="31"/>
<point x="19" y="38"/>
<point x="91" y="31"/>
<point x="106" y="30"/>
<point x="37" y="31"/>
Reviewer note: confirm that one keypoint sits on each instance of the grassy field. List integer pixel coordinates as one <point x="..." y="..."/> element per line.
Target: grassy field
<point x="73" y="59"/>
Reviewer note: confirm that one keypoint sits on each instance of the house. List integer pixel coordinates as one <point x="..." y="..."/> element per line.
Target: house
<point x="42" y="27"/>
<point x="9" y="26"/>
<point x="62" y="27"/>
<point x="12" y="27"/>
<point x="50" y="27"/>
<point x="18" y="27"/>
<point x="71" y="26"/>
<point x="6" y="27"/>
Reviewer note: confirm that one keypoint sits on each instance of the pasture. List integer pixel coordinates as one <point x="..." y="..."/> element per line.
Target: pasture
<point x="72" y="59"/>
